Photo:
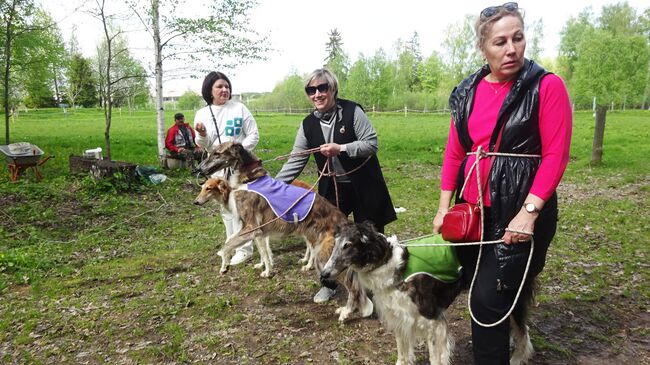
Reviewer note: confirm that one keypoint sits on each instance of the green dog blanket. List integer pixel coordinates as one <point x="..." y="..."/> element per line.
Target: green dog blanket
<point x="439" y="262"/>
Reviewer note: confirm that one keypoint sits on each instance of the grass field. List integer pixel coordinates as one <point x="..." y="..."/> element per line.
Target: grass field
<point x="97" y="273"/>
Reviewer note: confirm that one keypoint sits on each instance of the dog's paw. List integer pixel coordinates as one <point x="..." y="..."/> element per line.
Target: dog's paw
<point x="265" y="274"/>
<point x="306" y="268"/>
<point x="259" y="265"/>
<point x="223" y="270"/>
<point x="303" y="260"/>
<point x="344" y="313"/>
<point x="220" y="253"/>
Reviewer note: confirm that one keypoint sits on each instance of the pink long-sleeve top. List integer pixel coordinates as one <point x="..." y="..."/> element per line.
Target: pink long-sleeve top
<point x="555" y="125"/>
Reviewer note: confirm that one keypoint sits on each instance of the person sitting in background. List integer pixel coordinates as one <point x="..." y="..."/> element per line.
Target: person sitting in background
<point x="180" y="142"/>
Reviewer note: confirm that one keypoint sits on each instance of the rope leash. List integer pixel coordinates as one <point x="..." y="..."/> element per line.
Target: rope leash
<point x="480" y="154"/>
<point x="293" y="154"/>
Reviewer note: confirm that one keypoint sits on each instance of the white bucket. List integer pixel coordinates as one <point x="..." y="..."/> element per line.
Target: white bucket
<point x="95" y="153"/>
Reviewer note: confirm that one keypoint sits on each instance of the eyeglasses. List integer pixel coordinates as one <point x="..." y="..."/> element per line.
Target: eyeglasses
<point x="322" y="88"/>
<point x="491" y="10"/>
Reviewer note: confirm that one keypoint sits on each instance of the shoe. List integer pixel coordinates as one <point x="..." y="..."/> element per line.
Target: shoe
<point x="241" y="256"/>
<point x="324" y="295"/>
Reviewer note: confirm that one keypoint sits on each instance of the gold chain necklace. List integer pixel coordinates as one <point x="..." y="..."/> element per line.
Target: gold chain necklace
<point x="496" y="90"/>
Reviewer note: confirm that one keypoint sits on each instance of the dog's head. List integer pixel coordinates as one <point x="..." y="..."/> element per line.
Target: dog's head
<point x="359" y="247"/>
<point x="228" y="154"/>
<point x="213" y="189"/>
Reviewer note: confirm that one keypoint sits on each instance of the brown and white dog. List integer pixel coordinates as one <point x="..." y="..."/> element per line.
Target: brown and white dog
<point x="318" y="227"/>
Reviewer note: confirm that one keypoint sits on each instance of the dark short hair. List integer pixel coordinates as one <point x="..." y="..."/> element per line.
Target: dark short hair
<point x="178" y="116"/>
<point x="209" y="81"/>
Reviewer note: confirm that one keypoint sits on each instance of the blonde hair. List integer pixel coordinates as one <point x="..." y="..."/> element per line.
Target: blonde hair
<point x="482" y="26"/>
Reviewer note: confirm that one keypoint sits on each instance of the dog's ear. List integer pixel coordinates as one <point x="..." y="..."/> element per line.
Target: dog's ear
<point x="247" y="157"/>
<point x="368" y="225"/>
<point x="224" y="189"/>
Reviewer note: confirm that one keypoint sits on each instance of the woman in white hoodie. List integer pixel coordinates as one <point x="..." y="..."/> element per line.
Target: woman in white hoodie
<point x="224" y="120"/>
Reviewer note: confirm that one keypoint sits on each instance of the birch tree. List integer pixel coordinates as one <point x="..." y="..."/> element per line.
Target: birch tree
<point x="219" y="32"/>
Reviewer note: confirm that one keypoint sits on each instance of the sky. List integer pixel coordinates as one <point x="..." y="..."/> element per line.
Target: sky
<point x="298" y="31"/>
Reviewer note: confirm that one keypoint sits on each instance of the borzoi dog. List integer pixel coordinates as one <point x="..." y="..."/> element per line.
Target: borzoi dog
<point x="412" y="310"/>
<point x="260" y="220"/>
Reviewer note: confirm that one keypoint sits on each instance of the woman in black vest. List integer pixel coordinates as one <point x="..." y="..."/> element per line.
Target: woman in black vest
<point x="521" y="114"/>
<point x="347" y="139"/>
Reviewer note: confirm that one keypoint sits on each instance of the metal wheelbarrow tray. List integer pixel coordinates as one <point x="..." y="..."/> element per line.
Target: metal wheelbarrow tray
<point x="18" y="162"/>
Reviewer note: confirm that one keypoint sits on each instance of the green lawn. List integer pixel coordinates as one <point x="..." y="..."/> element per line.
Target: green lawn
<point x="97" y="273"/>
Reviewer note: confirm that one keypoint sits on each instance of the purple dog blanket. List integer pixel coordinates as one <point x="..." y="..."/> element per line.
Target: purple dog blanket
<point x="281" y="196"/>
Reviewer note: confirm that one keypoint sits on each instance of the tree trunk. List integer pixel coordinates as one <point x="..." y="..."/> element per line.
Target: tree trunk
<point x="108" y="100"/>
<point x="160" y="112"/>
<point x="599" y="135"/>
<point x="56" y="86"/>
<point x="646" y="91"/>
<point x="5" y="80"/>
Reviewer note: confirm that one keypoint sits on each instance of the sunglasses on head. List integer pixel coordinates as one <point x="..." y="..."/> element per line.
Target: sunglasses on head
<point x="491" y="10"/>
<point x="322" y="88"/>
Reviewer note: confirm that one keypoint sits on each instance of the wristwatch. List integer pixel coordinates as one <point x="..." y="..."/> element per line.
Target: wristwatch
<point x="531" y="208"/>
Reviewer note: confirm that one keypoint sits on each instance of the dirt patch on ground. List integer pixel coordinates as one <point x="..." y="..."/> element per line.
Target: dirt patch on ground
<point x="611" y="187"/>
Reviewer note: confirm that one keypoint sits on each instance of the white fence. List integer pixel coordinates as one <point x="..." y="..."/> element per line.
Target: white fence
<point x="371" y="111"/>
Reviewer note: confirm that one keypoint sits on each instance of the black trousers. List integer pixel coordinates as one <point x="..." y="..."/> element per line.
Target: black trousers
<point x="348" y="202"/>
<point x="491" y="345"/>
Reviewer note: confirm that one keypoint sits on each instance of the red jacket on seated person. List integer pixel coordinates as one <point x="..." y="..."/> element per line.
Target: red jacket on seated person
<point x="180" y="139"/>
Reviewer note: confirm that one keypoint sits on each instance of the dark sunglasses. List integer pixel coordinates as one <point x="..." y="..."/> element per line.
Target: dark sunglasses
<point x="322" y="88"/>
<point x="491" y="10"/>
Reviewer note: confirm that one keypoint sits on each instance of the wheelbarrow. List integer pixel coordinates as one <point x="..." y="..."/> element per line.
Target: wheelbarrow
<point x="22" y="156"/>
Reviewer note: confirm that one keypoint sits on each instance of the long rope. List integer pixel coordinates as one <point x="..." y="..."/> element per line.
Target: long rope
<point x="480" y="154"/>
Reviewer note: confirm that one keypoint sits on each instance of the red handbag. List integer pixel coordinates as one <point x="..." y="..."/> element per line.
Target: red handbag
<point x="462" y="223"/>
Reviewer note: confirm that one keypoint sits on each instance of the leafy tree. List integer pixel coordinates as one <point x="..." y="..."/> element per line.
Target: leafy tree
<point x="15" y="16"/>
<point x="416" y="68"/>
<point x="609" y="60"/>
<point x="462" y="56"/>
<point x="220" y="36"/>
<point x="42" y="56"/>
<point x="620" y="18"/>
<point x="357" y="87"/>
<point x="408" y="68"/>
<point x="608" y="74"/>
<point x="131" y="87"/>
<point x="190" y="101"/>
<point x="432" y="73"/>
<point x="336" y="61"/>
<point x="571" y="36"/>
<point x="433" y="77"/>
<point x="289" y="93"/>
<point x="81" y="85"/>
<point x="382" y="73"/>
<point x="114" y="65"/>
<point x="534" y="36"/>
<point x="644" y="25"/>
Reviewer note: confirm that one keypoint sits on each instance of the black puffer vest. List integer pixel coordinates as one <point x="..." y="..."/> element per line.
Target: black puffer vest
<point x="368" y="181"/>
<point x="510" y="178"/>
